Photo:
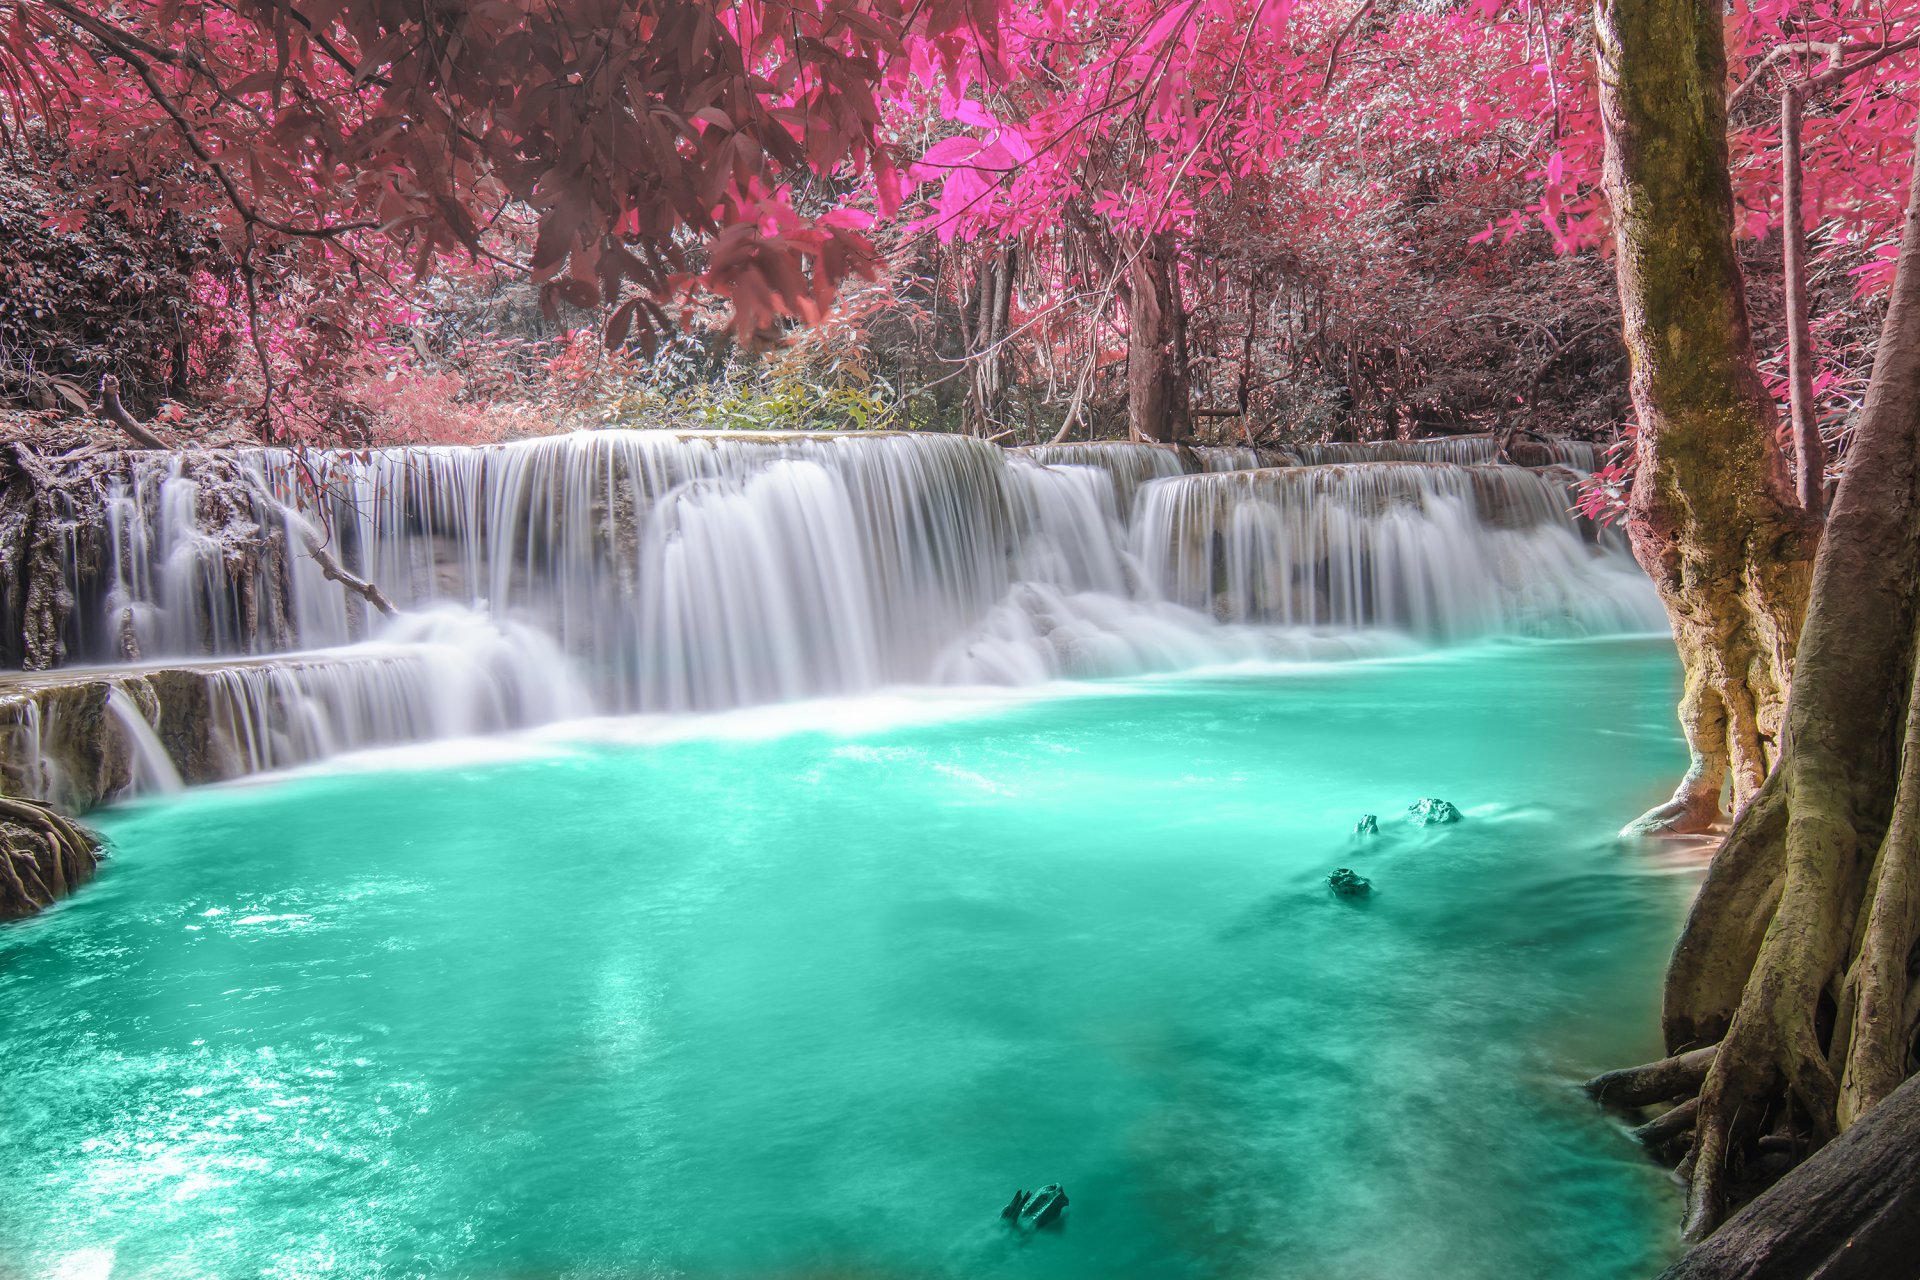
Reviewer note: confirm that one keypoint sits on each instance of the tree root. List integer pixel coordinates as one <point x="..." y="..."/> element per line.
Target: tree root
<point x="1653" y="1082"/>
<point x="1662" y="1129"/>
<point x="43" y="857"/>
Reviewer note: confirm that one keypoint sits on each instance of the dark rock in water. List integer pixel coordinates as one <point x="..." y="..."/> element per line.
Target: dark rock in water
<point x="1348" y="884"/>
<point x="1369" y="825"/>
<point x="1035" y="1212"/>
<point x="1431" y="812"/>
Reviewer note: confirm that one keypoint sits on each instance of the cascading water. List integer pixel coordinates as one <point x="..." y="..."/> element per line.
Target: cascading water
<point x="1441" y="552"/>
<point x="1582" y="455"/>
<point x="623" y="571"/>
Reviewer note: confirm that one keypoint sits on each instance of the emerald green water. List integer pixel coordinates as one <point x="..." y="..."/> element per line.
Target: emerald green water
<point x="813" y="1003"/>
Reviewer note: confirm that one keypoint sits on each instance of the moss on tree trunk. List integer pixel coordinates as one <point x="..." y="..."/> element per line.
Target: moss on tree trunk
<point x="1797" y="958"/>
<point x="1712" y="515"/>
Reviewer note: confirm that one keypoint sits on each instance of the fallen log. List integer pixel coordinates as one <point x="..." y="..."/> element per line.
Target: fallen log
<point x="1850" y="1212"/>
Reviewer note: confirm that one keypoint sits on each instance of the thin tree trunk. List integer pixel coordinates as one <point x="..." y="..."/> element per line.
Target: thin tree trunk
<point x="1809" y="451"/>
<point x="986" y="383"/>
<point x="1712" y="515"/>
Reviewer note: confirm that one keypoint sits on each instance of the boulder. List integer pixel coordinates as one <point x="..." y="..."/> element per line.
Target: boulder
<point x="1348" y="884"/>
<point x="1037" y="1211"/>
<point x="1431" y="812"/>
<point x="1369" y="825"/>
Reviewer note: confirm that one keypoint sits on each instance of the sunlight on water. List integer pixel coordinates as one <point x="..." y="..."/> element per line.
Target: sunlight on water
<point x="812" y="1001"/>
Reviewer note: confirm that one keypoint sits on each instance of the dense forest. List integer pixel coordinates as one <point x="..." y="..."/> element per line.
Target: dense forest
<point x="1682" y="232"/>
<point x="1273" y="222"/>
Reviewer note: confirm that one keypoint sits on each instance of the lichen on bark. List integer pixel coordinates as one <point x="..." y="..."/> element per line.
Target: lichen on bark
<point x="1712" y="516"/>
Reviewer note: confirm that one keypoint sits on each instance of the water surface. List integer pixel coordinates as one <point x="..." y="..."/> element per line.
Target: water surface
<point x="814" y="1003"/>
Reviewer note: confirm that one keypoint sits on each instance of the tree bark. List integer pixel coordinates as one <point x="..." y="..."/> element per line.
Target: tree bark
<point x="1157" y="395"/>
<point x="986" y="383"/>
<point x="1796" y="959"/>
<point x="1850" y="1213"/>
<point x="1809" y="450"/>
<point x="1712" y="515"/>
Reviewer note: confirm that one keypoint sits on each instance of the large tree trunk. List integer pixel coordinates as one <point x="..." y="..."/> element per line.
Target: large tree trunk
<point x="1157" y="396"/>
<point x="1712" y="515"/>
<point x="1796" y="960"/>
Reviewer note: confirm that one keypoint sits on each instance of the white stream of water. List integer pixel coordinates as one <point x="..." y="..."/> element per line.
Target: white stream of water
<point x="624" y="571"/>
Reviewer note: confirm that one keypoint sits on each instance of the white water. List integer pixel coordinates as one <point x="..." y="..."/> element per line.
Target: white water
<point x="1582" y="455"/>
<point x="624" y="571"/>
<point x="153" y="768"/>
<point x="1444" y="553"/>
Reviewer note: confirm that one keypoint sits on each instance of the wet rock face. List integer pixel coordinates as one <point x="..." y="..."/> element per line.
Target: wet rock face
<point x="1369" y="825"/>
<point x="59" y="743"/>
<point x="1431" y="812"/>
<point x="1038" y="1211"/>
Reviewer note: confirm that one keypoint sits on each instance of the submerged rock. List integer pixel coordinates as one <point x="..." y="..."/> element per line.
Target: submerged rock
<point x="1430" y="812"/>
<point x="1349" y="884"/>
<point x="1037" y="1211"/>
<point x="1369" y="825"/>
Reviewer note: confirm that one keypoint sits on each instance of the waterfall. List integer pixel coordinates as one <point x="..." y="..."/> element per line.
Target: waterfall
<point x="652" y="571"/>
<point x="441" y="673"/>
<point x="1444" y="553"/>
<point x="1581" y="455"/>
<point x="152" y="769"/>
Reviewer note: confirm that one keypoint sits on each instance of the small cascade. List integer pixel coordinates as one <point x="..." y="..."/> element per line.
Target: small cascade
<point x="1130" y="465"/>
<point x="1443" y="553"/>
<point x="442" y="674"/>
<point x="150" y="767"/>
<point x="1466" y="451"/>
<point x="81" y="738"/>
<point x="652" y="571"/>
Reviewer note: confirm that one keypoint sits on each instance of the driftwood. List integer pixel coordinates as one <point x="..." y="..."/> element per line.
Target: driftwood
<point x="117" y="414"/>
<point x="1850" y="1212"/>
<point x="330" y="568"/>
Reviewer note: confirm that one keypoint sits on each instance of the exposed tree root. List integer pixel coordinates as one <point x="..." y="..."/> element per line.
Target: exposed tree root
<point x="1660" y="1081"/>
<point x="1852" y="1212"/>
<point x="43" y="857"/>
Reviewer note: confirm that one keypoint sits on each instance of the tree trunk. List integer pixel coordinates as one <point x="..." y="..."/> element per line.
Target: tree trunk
<point x="1712" y="516"/>
<point x="1850" y="1213"/>
<point x="1809" y="450"/>
<point x="986" y="384"/>
<point x="1796" y="958"/>
<point x="1156" y="342"/>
